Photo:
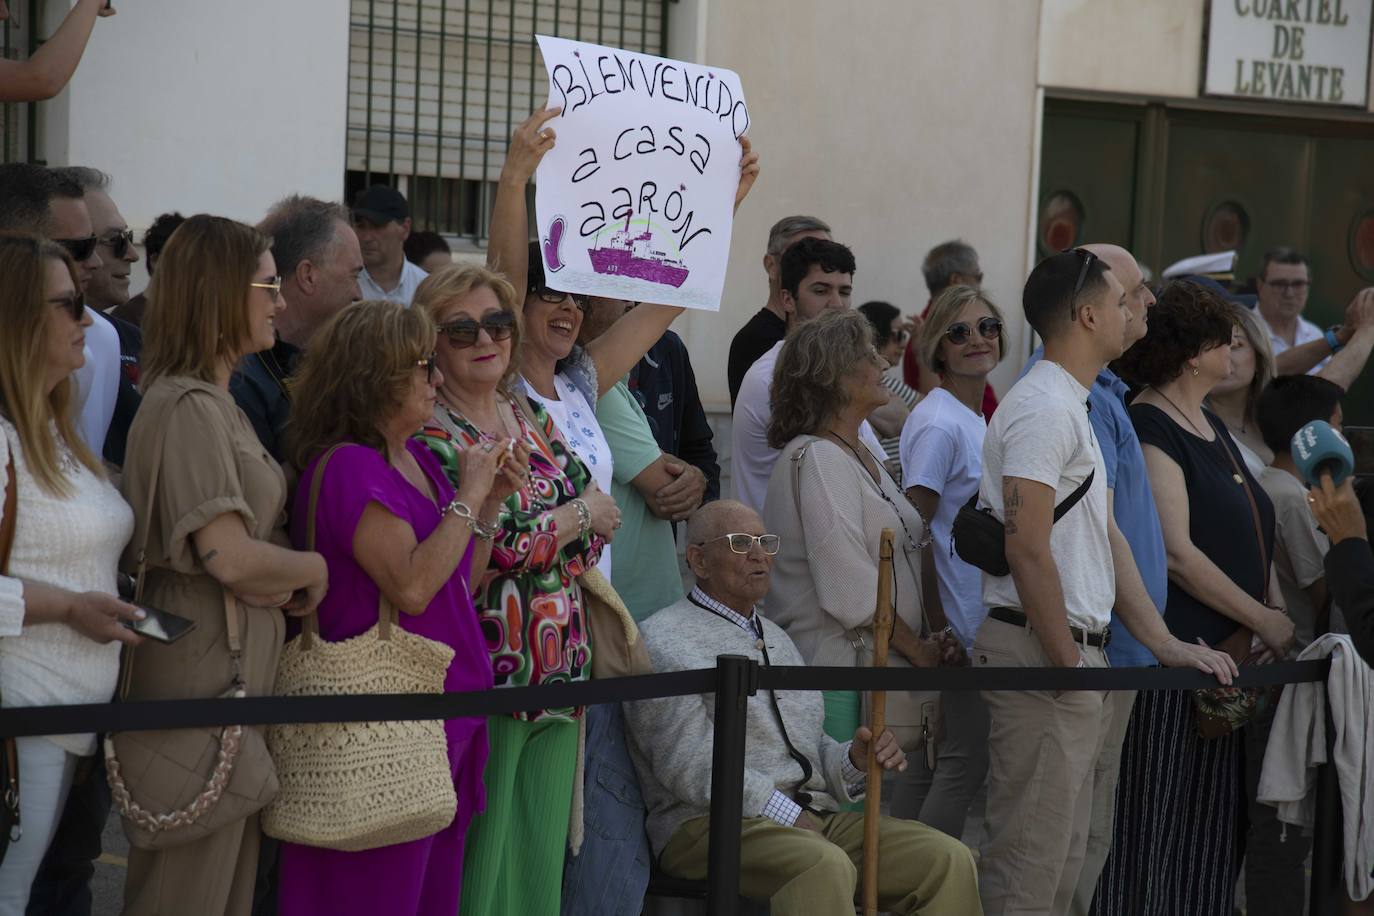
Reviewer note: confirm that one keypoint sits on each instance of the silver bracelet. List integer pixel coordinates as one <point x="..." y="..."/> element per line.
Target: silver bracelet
<point x="584" y="516"/>
<point x="478" y="527"/>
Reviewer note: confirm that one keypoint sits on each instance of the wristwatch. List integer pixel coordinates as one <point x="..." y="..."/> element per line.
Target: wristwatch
<point x="1332" y="340"/>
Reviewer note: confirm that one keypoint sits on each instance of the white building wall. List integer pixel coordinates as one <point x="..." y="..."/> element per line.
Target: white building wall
<point x="902" y="124"/>
<point x="206" y="106"/>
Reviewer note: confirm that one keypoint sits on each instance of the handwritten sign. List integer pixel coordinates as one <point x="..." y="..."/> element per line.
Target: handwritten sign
<point x="636" y="199"/>
<point x="1313" y="51"/>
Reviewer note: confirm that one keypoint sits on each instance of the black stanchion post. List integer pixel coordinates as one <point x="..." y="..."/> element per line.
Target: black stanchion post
<point x="1327" y="833"/>
<point x="735" y="682"/>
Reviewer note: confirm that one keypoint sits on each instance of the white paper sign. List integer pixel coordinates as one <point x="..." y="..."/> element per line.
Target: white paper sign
<point x="636" y="199"/>
<point x="1312" y="51"/>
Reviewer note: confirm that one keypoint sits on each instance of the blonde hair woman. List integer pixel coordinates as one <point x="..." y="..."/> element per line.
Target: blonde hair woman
<point x="216" y="525"/>
<point x="962" y="340"/>
<point x="388" y="521"/>
<point x="59" y="620"/>
<point x="528" y="599"/>
<point x="1235" y="400"/>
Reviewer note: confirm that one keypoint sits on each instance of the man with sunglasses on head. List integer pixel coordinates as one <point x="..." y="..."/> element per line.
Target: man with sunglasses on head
<point x="319" y="263"/>
<point x="798" y="851"/>
<point x="381" y="217"/>
<point x="1067" y="577"/>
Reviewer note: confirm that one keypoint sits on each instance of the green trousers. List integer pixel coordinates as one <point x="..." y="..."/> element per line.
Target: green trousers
<point x="805" y="873"/>
<point x="843" y="716"/>
<point x="515" y="848"/>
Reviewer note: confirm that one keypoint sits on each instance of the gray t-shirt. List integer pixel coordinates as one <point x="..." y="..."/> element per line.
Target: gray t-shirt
<point x="1299" y="551"/>
<point x="1041" y="432"/>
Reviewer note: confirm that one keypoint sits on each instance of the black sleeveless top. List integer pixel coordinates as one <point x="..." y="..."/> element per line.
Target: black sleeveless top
<point x="1220" y="521"/>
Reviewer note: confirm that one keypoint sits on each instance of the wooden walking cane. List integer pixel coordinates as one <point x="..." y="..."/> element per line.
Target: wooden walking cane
<point x="882" y="629"/>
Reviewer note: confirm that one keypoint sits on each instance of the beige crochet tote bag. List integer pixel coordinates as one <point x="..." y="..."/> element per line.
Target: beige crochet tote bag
<point x="359" y="785"/>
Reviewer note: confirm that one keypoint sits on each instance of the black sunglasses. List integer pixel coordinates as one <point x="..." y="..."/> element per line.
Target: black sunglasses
<point x="72" y="305"/>
<point x="959" y="333"/>
<point x="119" y="242"/>
<point x="1088" y="259"/>
<point x="556" y="296"/>
<point x="463" y="332"/>
<point x="79" y="249"/>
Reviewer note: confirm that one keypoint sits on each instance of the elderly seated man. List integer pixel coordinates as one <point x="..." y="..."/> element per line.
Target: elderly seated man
<point x="798" y="852"/>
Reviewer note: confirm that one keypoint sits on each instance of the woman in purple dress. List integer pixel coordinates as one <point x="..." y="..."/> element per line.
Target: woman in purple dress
<point x="388" y="520"/>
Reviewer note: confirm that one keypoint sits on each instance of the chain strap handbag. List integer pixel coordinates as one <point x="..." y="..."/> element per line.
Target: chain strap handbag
<point x="359" y="785"/>
<point x="10" y="827"/>
<point x="1223" y="710"/>
<point x="181" y="785"/>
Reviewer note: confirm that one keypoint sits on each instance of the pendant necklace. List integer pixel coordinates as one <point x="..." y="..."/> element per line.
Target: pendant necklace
<point x="1234" y="476"/>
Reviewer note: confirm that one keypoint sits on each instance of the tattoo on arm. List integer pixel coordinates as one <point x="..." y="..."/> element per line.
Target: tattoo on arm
<point x="209" y="556"/>
<point x="1013" y="505"/>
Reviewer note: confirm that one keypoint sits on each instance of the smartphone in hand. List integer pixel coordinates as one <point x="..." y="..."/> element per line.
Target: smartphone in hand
<point x="158" y="625"/>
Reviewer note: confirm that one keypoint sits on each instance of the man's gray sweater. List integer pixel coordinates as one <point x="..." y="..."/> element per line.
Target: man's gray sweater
<point x="671" y="738"/>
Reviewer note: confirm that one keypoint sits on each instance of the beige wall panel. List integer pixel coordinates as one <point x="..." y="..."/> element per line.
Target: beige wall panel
<point x="900" y="123"/>
<point x="1152" y="48"/>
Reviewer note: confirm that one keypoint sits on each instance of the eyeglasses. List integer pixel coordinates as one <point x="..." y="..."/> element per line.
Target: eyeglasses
<point x="463" y="332"/>
<point x="428" y="365"/>
<point x="273" y="286"/>
<point x="556" y="296"/>
<point x="72" y="305"/>
<point x="959" y="333"/>
<point x="1088" y="259"/>
<point x="79" y="249"/>
<point x="743" y="543"/>
<point x="1288" y="286"/>
<point x="119" y="242"/>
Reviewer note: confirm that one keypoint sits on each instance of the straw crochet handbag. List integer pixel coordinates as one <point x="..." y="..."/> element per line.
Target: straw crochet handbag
<point x="359" y="785"/>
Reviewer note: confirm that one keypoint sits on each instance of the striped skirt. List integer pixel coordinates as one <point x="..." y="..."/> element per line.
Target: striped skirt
<point x="1179" y="832"/>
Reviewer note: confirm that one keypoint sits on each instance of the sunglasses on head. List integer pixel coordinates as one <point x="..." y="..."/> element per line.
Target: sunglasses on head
<point x="428" y="365"/>
<point x="960" y="332"/>
<point x="556" y="296"/>
<point x="72" y="305"/>
<point x="1088" y="258"/>
<point x="79" y="249"/>
<point x="463" y="332"/>
<point x="119" y="242"/>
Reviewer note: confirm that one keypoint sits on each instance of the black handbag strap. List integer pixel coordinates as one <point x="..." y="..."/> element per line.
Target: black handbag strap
<point x="1062" y="509"/>
<point x="1072" y="499"/>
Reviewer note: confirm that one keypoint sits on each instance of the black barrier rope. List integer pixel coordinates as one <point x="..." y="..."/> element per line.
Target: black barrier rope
<point x="144" y="715"/>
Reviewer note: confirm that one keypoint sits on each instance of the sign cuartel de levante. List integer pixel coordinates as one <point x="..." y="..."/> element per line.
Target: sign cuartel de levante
<point x="1309" y="51"/>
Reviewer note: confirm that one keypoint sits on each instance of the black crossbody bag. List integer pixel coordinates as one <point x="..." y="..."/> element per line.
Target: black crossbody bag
<point x="981" y="540"/>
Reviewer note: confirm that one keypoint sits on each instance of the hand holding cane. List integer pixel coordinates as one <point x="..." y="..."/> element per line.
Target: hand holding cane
<point x="882" y="629"/>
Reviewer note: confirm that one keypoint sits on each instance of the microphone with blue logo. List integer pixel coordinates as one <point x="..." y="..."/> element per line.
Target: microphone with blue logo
<point x="1319" y="449"/>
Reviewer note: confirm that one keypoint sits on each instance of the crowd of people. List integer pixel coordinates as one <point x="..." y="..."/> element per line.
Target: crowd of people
<point x="493" y="458"/>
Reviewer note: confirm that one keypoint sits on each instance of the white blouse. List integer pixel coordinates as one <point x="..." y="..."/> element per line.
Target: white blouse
<point x="576" y="420"/>
<point x="72" y="542"/>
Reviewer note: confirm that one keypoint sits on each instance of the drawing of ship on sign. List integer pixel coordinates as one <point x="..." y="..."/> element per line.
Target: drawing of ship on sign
<point x="629" y="255"/>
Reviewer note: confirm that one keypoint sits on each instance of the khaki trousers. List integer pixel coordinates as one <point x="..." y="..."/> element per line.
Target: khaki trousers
<point x="1042" y="757"/>
<point x="211" y="877"/>
<point x="803" y="873"/>
<point x="1116" y="710"/>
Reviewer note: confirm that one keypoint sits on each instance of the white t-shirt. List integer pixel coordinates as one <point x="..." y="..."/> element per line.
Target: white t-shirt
<point x="1306" y="332"/>
<point x="97" y="384"/>
<point x="752" y="458"/>
<point x="404" y="292"/>
<point x="942" y="450"/>
<point x="1041" y="432"/>
<point x="576" y="420"/>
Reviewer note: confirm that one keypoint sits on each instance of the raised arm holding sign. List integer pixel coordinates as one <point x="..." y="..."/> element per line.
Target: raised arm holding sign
<point x="636" y="201"/>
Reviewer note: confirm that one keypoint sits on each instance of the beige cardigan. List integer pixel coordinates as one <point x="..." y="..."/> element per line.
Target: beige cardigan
<point x="825" y="578"/>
